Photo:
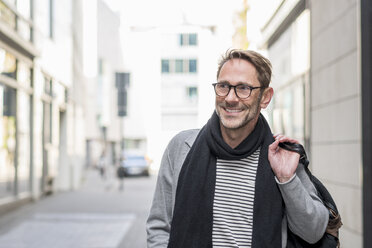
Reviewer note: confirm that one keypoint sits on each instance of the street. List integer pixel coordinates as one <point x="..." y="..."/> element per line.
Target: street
<point x="97" y="215"/>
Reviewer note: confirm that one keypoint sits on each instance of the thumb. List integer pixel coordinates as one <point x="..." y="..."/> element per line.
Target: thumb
<point x="274" y="146"/>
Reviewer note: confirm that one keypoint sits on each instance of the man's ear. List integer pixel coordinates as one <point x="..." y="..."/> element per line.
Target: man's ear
<point x="267" y="95"/>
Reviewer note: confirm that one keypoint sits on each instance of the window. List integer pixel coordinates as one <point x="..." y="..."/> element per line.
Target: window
<point x="23" y="73"/>
<point x="24" y="28"/>
<point x="48" y="86"/>
<point x="165" y="66"/>
<point x="188" y="39"/>
<point x="179" y="65"/>
<point x="181" y="39"/>
<point x="8" y="140"/>
<point x="192" y="93"/>
<point x="192" y="66"/>
<point x="8" y="64"/>
<point x="47" y="24"/>
<point x="7" y="16"/>
<point x="17" y="16"/>
<point x="23" y="141"/>
<point x="192" y="39"/>
<point x="290" y="108"/>
<point x="15" y="68"/>
<point x="134" y="144"/>
<point x="51" y="18"/>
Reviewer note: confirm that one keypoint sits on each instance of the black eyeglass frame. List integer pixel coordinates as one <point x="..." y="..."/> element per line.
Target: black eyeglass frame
<point x="236" y="93"/>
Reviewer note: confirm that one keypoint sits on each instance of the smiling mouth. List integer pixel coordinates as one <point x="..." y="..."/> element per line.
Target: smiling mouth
<point x="232" y="110"/>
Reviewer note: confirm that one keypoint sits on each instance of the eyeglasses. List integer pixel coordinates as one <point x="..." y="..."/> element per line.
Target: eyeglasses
<point x="242" y="91"/>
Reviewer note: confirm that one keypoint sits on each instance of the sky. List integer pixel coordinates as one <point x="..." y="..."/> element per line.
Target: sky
<point x="149" y="13"/>
<point x="165" y="12"/>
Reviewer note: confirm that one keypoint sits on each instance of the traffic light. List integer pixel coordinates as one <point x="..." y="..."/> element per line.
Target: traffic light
<point x="122" y="84"/>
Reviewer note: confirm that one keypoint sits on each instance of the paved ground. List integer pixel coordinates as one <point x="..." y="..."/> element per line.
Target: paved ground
<point x="97" y="215"/>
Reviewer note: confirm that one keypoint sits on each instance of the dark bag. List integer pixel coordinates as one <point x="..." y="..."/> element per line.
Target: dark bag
<point x="330" y="238"/>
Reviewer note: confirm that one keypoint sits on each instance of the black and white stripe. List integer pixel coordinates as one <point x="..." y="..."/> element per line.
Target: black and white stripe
<point x="233" y="202"/>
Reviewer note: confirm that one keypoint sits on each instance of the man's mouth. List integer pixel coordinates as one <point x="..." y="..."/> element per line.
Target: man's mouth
<point x="232" y="110"/>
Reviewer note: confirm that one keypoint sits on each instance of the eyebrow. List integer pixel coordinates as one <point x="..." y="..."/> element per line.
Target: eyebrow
<point x="239" y="83"/>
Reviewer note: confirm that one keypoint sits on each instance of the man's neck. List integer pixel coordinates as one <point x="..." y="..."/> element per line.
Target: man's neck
<point x="233" y="137"/>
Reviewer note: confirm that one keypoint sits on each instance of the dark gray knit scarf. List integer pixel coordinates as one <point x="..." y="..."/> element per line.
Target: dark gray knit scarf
<point x="192" y="222"/>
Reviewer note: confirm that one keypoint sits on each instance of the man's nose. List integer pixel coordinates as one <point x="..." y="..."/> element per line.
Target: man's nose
<point x="232" y="97"/>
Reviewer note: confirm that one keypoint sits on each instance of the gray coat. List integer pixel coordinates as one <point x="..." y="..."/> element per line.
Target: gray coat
<point x="305" y="214"/>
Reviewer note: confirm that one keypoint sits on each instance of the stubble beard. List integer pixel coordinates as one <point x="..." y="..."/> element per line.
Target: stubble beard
<point x="251" y="114"/>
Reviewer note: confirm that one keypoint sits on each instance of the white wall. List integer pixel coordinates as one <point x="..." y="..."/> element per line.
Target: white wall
<point x="142" y="60"/>
<point x="336" y="109"/>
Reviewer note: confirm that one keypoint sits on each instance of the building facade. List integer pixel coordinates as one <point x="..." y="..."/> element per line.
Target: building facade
<point x="316" y="50"/>
<point x="104" y="61"/>
<point x="39" y="117"/>
<point x="171" y="82"/>
<point x="188" y="66"/>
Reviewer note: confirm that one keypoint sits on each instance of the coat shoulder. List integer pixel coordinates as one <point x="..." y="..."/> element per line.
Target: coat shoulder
<point x="186" y="136"/>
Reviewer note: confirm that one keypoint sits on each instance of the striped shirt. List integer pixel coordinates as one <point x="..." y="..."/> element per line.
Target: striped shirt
<point x="233" y="202"/>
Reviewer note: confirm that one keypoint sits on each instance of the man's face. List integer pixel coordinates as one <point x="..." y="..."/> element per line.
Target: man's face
<point x="236" y="113"/>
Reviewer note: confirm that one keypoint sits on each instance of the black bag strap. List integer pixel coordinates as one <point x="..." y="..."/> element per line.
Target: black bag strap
<point x="334" y="217"/>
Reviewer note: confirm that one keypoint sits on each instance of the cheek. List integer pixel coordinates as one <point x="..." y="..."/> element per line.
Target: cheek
<point x="247" y="103"/>
<point x="219" y="100"/>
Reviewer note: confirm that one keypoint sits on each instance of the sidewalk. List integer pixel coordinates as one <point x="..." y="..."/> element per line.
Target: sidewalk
<point x="97" y="215"/>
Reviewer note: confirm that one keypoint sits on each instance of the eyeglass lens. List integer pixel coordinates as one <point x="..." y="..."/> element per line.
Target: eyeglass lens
<point x="242" y="91"/>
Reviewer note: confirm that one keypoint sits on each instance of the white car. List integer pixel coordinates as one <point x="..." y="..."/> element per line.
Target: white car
<point x="135" y="165"/>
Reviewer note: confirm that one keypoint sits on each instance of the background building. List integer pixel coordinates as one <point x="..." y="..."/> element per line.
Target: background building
<point x="39" y="114"/>
<point x="316" y="51"/>
<point x="104" y="60"/>
<point x="166" y="80"/>
<point x="188" y="68"/>
<point x="172" y="67"/>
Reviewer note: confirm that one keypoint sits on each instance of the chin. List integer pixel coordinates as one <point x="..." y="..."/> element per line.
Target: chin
<point x="231" y="124"/>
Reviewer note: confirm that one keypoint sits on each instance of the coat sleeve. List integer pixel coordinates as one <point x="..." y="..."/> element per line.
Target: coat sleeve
<point x="161" y="213"/>
<point x="306" y="214"/>
<point x="159" y="220"/>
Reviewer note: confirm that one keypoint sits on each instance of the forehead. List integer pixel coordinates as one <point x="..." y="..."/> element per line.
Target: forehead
<point x="238" y="70"/>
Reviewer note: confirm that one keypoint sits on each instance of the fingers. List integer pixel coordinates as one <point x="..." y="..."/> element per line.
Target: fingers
<point x="274" y="146"/>
<point x="281" y="138"/>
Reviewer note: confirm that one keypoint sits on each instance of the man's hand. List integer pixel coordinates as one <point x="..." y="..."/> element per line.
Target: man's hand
<point x="283" y="162"/>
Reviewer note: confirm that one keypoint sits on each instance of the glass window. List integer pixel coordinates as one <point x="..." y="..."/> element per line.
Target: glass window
<point x="24" y="8"/>
<point x="188" y="39"/>
<point x="7" y="16"/>
<point x="24" y="29"/>
<point x="47" y="23"/>
<point x="288" y="115"/>
<point x="181" y="38"/>
<point x="192" y="65"/>
<point x="290" y="56"/>
<point x="48" y="87"/>
<point x="23" y="73"/>
<point x="51" y="18"/>
<point x="192" y="93"/>
<point x="193" y="39"/>
<point x="165" y="66"/>
<point x="8" y="64"/>
<point x="179" y="65"/>
<point x="23" y="163"/>
<point x="46" y="144"/>
<point x="66" y="95"/>
<point x="7" y="140"/>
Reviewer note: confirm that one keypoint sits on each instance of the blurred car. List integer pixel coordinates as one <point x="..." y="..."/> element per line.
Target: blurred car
<point x="134" y="165"/>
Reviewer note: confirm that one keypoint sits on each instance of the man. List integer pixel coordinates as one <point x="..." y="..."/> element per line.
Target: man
<point x="230" y="184"/>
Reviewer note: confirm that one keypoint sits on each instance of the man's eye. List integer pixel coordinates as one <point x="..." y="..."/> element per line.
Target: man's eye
<point x="223" y="86"/>
<point x="243" y="87"/>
